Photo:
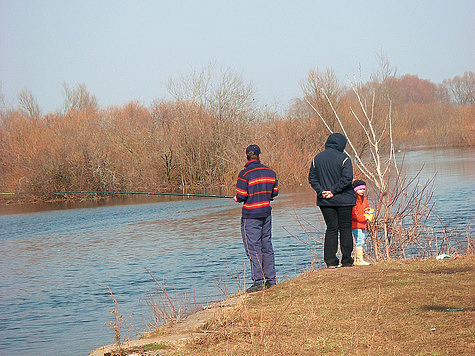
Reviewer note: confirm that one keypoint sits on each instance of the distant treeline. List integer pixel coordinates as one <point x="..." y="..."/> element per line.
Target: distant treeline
<point x="196" y="142"/>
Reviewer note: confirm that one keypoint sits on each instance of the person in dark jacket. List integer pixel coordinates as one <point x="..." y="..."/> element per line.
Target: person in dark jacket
<point x="331" y="175"/>
<point x="256" y="186"/>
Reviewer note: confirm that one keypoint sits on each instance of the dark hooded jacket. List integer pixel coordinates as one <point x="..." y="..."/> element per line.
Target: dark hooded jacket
<point x="332" y="170"/>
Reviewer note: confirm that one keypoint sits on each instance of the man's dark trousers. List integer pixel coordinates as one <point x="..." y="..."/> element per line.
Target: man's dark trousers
<point x="256" y="236"/>
<point x="337" y="219"/>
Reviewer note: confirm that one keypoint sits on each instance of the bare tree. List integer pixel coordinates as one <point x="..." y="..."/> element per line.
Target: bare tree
<point x="77" y="98"/>
<point x="28" y="104"/>
<point x="462" y="89"/>
<point x="194" y="87"/>
<point x="232" y="98"/>
<point x="385" y="70"/>
<point x="318" y="88"/>
<point x="402" y="206"/>
<point x="223" y="92"/>
<point x="377" y="168"/>
<point x="2" y="97"/>
<point x="3" y="104"/>
<point x="212" y="112"/>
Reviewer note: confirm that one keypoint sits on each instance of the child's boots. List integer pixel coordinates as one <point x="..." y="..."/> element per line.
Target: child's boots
<point x="359" y="260"/>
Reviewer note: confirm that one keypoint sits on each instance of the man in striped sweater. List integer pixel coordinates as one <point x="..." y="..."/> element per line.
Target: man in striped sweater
<point x="256" y="187"/>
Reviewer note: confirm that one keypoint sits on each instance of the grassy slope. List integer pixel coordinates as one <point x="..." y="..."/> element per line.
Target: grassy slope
<point x="392" y="308"/>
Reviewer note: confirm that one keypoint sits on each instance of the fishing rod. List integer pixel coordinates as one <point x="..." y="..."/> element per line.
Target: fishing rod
<point x="188" y="195"/>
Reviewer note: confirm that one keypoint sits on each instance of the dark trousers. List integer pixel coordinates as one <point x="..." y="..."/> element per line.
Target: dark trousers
<point x="256" y="236"/>
<point x="337" y="219"/>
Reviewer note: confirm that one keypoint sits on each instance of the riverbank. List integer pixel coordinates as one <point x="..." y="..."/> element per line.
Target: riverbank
<point x="396" y="307"/>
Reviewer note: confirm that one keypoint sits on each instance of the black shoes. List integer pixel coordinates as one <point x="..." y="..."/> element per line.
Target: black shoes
<point x="342" y="265"/>
<point x="256" y="288"/>
<point x="346" y="264"/>
<point x="269" y="285"/>
<point x="259" y="287"/>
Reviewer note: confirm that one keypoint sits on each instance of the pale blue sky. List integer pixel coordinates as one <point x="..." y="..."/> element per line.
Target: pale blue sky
<point x="126" y="50"/>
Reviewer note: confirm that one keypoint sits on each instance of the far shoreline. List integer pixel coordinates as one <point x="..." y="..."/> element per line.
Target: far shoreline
<point x="48" y="200"/>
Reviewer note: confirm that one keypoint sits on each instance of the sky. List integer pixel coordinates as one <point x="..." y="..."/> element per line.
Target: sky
<point x="125" y="51"/>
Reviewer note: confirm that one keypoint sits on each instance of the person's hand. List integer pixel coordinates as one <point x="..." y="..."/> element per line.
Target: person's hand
<point x="235" y="198"/>
<point x="327" y="194"/>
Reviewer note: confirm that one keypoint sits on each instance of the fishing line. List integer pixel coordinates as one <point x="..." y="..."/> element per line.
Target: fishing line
<point x="188" y="195"/>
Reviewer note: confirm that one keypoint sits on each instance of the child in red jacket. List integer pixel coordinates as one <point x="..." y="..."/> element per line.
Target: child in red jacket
<point x="362" y="213"/>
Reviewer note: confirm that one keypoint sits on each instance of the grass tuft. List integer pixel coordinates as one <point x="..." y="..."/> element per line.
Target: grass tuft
<point x="150" y="347"/>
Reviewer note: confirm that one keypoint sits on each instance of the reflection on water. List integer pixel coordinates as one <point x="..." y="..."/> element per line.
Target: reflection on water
<point x="55" y="265"/>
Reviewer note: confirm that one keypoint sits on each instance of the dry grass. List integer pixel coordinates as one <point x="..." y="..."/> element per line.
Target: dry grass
<point x="118" y="325"/>
<point x="168" y="307"/>
<point x="391" y="308"/>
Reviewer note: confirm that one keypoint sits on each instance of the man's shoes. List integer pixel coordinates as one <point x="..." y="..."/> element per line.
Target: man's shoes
<point x="259" y="287"/>
<point x="269" y="285"/>
<point x="256" y="288"/>
<point x="333" y="266"/>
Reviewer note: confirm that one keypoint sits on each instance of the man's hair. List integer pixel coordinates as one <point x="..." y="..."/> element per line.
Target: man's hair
<point x="251" y="155"/>
<point x="253" y="152"/>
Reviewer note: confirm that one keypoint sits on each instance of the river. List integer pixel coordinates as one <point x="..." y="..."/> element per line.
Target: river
<point x="57" y="261"/>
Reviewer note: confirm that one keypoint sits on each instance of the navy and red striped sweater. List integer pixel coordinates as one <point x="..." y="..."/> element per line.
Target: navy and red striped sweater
<point x="256" y="186"/>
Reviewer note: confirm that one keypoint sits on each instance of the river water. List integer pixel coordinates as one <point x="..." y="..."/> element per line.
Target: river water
<point x="57" y="261"/>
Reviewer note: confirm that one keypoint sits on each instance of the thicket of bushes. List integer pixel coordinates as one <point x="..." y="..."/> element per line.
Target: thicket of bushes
<point x="196" y="142"/>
